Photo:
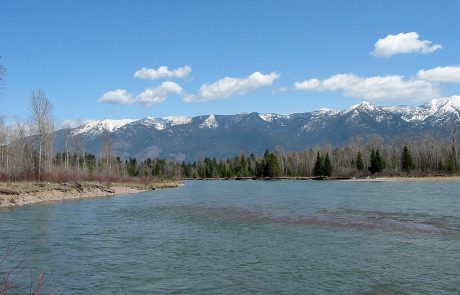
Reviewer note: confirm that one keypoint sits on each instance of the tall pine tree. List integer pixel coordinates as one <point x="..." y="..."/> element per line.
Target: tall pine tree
<point x="377" y="162"/>
<point x="327" y="167"/>
<point x="407" y="164"/>
<point x="318" y="170"/>
<point x="451" y="166"/>
<point x="323" y="165"/>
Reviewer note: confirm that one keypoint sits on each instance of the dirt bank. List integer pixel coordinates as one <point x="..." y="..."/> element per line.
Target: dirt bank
<point x="22" y="193"/>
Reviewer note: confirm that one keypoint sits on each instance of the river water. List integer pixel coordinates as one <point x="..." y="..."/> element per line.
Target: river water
<point x="243" y="237"/>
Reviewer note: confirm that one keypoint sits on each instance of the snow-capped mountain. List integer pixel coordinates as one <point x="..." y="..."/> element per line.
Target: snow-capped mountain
<point x="98" y="126"/>
<point x="190" y="138"/>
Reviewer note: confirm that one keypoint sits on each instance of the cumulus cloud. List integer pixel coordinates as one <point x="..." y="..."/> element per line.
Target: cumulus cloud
<point x="118" y="96"/>
<point x="156" y="95"/>
<point x="375" y="88"/>
<point x="449" y="74"/>
<point x="307" y="84"/>
<point x="230" y="86"/>
<point x="162" y="72"/>
<point x="403" y="43"/>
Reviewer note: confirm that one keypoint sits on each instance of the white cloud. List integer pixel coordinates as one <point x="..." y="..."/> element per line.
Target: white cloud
<point x="441" y="74"/>
<point x="307" y="84"/>
<point x="229" y="86"/>
<point x="375" y="88"/>
<point x="403" y="43"/>
<point x="162" y="72"/>
<point x="156" y="95"/>
<point x="119" y="96"/>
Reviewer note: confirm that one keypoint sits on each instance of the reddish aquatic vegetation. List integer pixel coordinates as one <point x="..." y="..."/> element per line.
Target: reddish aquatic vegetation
<point x="356" y="222"/>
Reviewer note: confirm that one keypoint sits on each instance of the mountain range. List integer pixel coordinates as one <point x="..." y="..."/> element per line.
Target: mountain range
<point x="221" y="136"/>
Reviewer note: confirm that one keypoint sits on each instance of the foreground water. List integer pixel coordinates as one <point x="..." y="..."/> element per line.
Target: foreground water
<point x="239" y="237"/>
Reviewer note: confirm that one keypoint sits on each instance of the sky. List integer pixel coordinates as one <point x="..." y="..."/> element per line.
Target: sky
<point x="133" y="59"/>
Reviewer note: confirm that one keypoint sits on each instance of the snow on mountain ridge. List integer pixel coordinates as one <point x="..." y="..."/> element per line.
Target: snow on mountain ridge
<point x="177" y="120"/>
<point x="326" y="111"/>
<point x="157" y="123"/>
<point x="270" y="117"/>
<point x="439" y="109"/>
<point x="444" y="105"/>
<point x="210" y="122"/>
<point x="362" y="106"/>
<point x="162" y="123"/>
<point x="96" y="126"/>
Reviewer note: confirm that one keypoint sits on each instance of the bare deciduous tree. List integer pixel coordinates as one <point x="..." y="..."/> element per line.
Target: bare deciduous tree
<point x="79" y="146"/>
<point x="4" y="134"/>
<point x="107" y="151"/>
<point x="41" y="109"/>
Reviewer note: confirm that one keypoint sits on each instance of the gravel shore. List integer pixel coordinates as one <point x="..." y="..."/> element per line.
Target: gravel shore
<point x="23" y="193"/>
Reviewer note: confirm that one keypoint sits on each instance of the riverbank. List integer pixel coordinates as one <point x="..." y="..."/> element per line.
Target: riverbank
<point x="353" y="179"/>
<point x="23" y="193"/>
<point x="407" y="179"/>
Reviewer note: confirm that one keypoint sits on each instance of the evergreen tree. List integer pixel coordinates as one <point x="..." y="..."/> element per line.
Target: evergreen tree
<point x="407" y="164"/>
<point x="451" y="166"/>
<point x="318" y="170"/>
<point x="260" y="167"/>
<point x="271" y="168"/>
<point x="377" y="162"/>
<point x="274" y="167"/>
<point x="244" y="172"/>
<point x="359" y="162"/>
<point x="132" y="167"/>
<point x="373" y="167"/>
<point x="380" y="161"/>
<point x="327" y="166"/>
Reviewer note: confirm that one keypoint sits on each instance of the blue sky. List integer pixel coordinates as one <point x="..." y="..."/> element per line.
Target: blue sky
<point x="225" y="57"/>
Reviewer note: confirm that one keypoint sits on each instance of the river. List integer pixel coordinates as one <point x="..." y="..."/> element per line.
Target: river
<point x="243" y="237"/>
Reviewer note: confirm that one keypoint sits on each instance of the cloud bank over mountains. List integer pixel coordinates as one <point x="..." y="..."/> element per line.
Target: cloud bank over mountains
<point x="423" y="85"/>
<point x="373" y="88"/>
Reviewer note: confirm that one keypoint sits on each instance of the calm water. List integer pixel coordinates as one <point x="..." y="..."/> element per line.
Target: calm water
<point x="239" y="237"/>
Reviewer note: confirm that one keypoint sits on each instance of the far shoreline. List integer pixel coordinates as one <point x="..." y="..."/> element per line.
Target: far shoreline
<point x="346" y="179"/>
<point x="407" y="179"/>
